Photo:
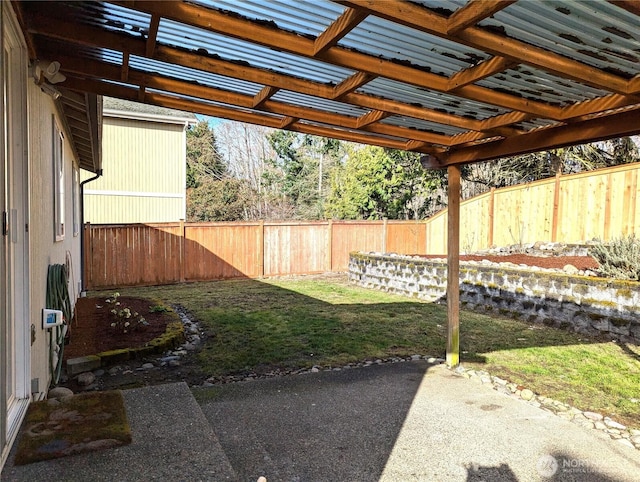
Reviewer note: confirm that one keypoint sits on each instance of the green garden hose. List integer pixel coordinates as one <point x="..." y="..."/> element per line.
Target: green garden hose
<point x="58" y="299"/>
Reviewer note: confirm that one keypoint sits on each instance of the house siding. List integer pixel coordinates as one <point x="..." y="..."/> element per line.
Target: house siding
<point x="144" y="173"/>
<point x="31" y="245"/>
<point x="44" y="251"/>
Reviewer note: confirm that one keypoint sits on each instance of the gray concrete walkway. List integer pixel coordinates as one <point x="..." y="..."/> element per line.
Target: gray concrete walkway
<point x="171" y="441"/>
<point x="398" y="422"/>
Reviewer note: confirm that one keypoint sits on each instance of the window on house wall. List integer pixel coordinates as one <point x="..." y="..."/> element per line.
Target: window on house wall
<point x="76" y="200"/>
<point x="58" y="182"/>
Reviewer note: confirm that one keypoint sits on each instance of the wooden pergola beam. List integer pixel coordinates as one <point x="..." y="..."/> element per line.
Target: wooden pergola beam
<point x="603" y="127"/>
<point x="485" y="69"/>
<point x="265" y="94"/>
<point x="420" y="18"/>
<point x="95" y="68"/>
<point x="631" y="6"/>
<point x="352" y="83"/>
<point x="153" y="33"/>
<point x="274" y="121"/>
<point x="370" y="118"/>
<point x="473" y="12"/>
<point x="287" y="122"/>
<point x="124" y="70"/>
<point x="342" y="91"/>
<point x="346" y="22"/>
<point x="233" y="26"/>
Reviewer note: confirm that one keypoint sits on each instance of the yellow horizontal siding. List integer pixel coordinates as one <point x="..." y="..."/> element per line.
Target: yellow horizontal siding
<point x="139" y="157"/>
<point x="127" y="209"/>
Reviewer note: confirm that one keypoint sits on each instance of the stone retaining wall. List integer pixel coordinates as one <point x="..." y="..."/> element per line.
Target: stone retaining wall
<point x="585" y="304"/>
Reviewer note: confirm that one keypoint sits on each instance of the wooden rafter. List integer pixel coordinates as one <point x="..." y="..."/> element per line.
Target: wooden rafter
<point x="153" y="33"/>
<point x="158" y="82"/>
<point x="632" y="6"/>
<point x="233" y="26"/>
<point x="415" y="16"/>
<point x="481" y="71"/>
<point x="124" y="70"/>
<point x="221" y="67"/>
<point x="337" y="30"/>
<point x="473" y="12"/>
<point x="65" y="34"/>
<point x="265" y="94"/>
<point x="287" y="122"/>
<point x="587" y="108"/>
<point x="351" y="83"/>
<point x="370" y="117"/>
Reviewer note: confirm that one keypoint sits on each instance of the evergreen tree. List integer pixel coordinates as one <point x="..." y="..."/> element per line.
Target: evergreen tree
<point x="203" y="159"/>
<point x="212" y="195"/>
<point x="375" y="183"/>
<point x="299" y="173"/>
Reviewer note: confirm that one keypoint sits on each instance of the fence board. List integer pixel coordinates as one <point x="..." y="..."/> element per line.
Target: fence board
<point x="348" y="236"/>
<point x="406" y="237"/>
<point x="296" y="248"/>
<point x="221" y="251"/>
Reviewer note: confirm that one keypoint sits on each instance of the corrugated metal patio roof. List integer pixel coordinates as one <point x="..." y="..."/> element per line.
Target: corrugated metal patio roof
<point x="459" y="80"/>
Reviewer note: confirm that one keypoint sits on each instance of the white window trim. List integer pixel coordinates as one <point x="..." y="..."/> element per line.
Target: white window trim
<point x="57" y="147"/>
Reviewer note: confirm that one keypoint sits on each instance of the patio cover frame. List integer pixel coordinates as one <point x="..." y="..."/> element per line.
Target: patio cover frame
<point x="455" y="80"/>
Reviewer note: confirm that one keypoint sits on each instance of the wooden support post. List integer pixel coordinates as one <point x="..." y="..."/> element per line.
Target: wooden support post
<point x="453" y="267"/>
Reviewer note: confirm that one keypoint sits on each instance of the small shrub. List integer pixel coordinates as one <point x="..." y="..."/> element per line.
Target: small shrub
<point x="159" y="309"/>
<point x="619" y="259"/>
<point x="123" y="319"/>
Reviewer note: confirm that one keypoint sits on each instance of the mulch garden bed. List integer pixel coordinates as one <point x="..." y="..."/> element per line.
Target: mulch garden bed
<point x="91" y="331"/>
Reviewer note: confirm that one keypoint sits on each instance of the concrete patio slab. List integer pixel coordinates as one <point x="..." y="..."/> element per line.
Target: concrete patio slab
<point x="403" y="422"/>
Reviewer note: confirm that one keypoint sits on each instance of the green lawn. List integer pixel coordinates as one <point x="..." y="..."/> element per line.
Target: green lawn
<point x="294" y="323"/>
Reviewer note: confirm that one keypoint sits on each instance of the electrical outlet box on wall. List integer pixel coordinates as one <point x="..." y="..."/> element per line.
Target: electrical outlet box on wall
<point x="51" y="318"/>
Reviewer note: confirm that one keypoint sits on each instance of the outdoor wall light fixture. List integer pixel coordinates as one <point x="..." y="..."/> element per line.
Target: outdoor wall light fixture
<point x="46" y="73"/>
<point x="44" y="69"/>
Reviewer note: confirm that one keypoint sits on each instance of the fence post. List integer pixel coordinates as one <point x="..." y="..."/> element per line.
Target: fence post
<point x="556" y="206"/>
<point x="607" y="208"/>
<point x="87" y="273"/>
<point x="492" y="197"/>
<point x="385" y="233"/>
<point x="630" y="222"/>
<point x="182" y="250"/>
<point x="261" y="247"/>
<point x="330" y="246"/>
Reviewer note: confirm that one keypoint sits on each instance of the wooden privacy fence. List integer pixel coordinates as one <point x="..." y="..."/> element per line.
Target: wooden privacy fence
<point x="599" y="204"/>
<point x="153" y="254"/>
<point x="602" y="204"/>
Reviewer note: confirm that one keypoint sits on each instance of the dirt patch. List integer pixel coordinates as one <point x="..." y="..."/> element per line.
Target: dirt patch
<point x="91" y="331"/>
<point x="549" y="262"/>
